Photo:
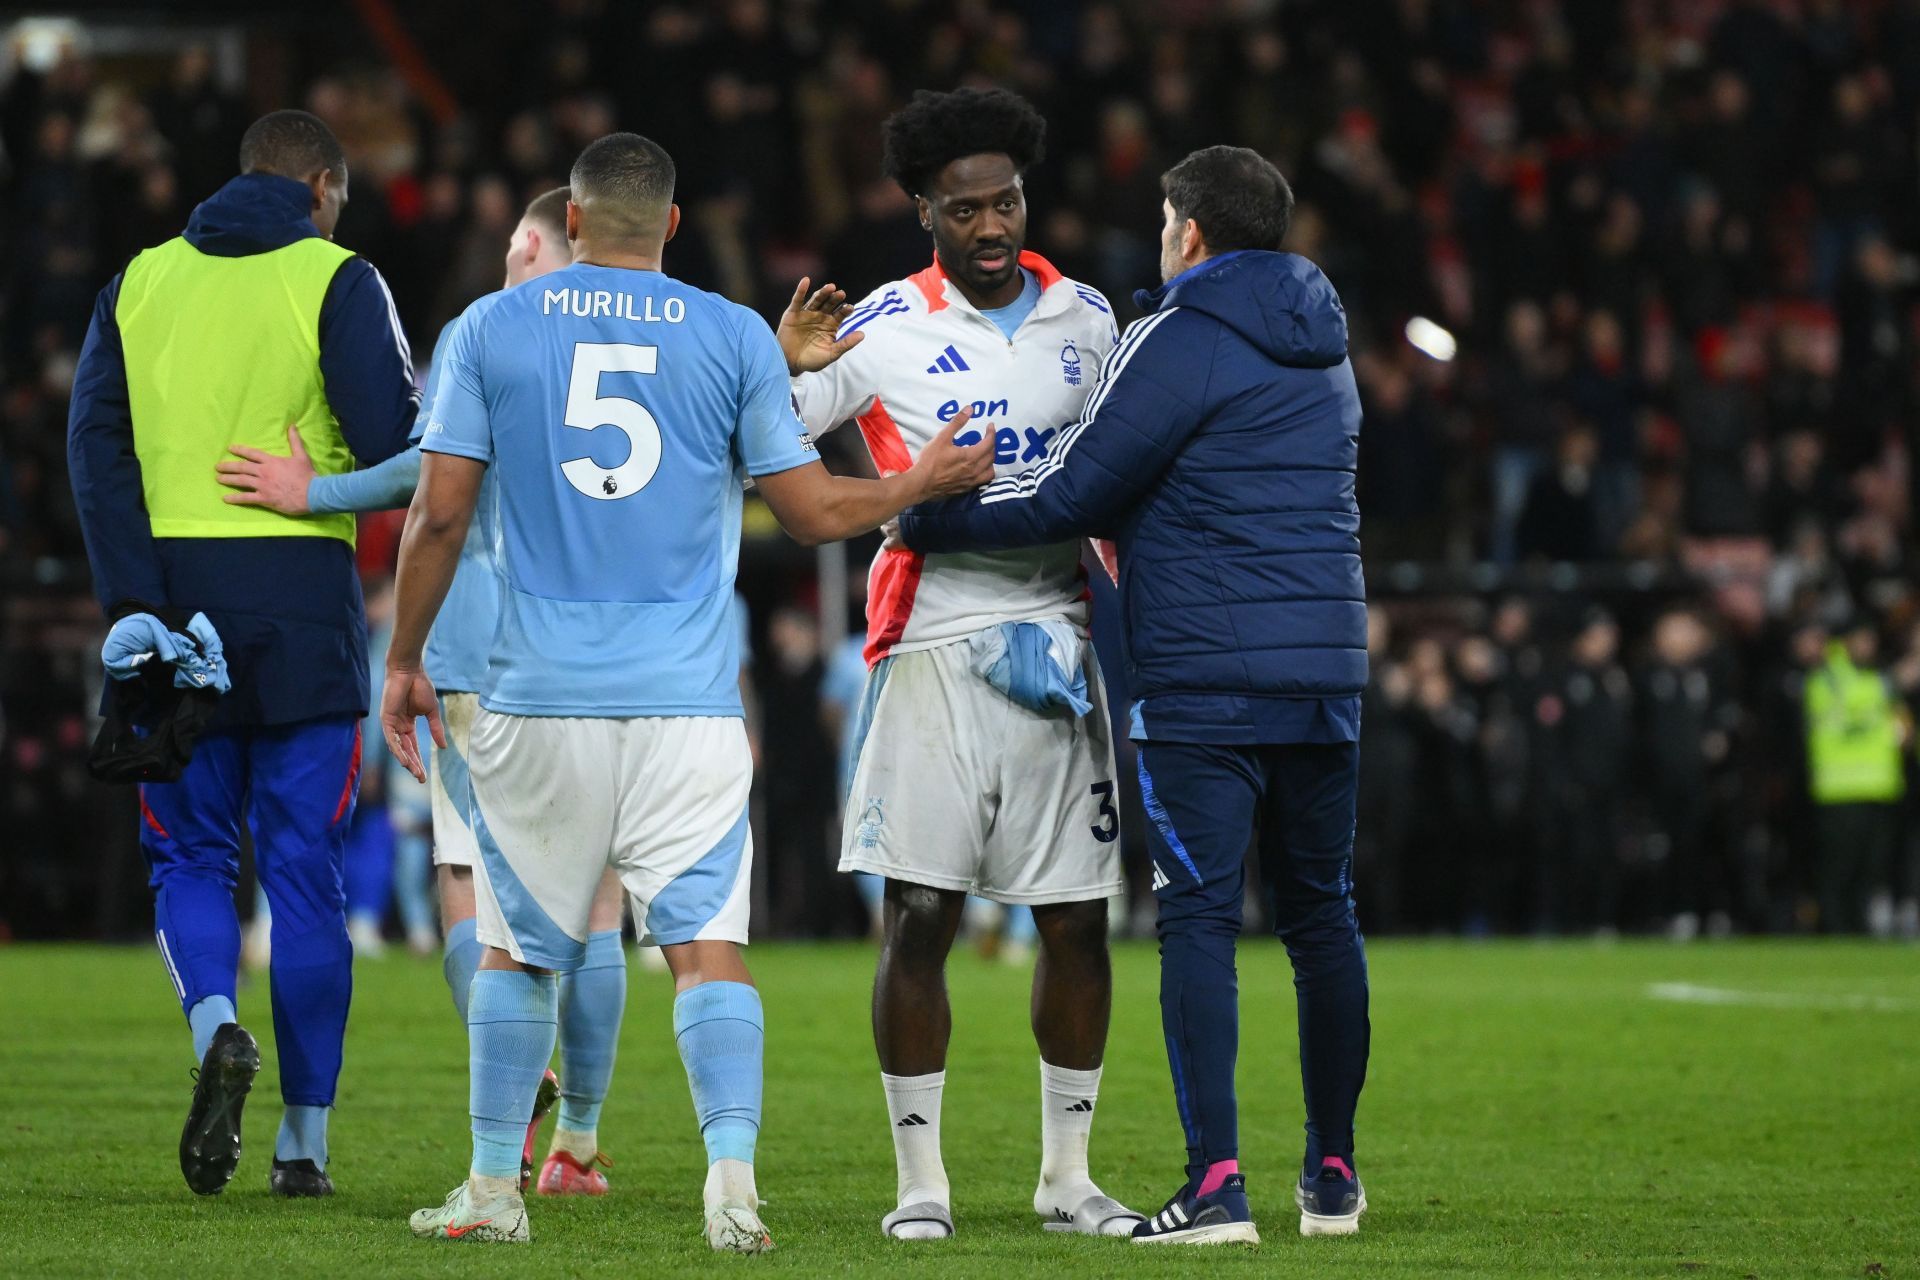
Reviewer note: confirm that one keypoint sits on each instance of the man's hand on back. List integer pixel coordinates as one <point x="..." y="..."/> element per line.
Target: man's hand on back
<point x="267" y="479"/>
<point x="808" y="324"/>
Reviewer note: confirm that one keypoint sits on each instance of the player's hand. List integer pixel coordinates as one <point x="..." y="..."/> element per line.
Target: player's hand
<point x="808" y="324"/>
<point x="267" y="479"/>
<point x="890" y="539"/>
<point x="945" y="468"/>
<point x="407" y="695"/>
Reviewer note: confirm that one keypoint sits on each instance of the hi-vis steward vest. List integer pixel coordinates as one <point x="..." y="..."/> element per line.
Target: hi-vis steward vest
<point x="1853" y="734"/>
<point x="224" y="351"/>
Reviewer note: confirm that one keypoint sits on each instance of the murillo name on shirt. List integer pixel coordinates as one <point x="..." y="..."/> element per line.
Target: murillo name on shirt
<point x="593" y="303"/>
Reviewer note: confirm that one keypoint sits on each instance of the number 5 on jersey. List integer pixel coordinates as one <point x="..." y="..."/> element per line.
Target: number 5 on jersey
<point x="588" y="410"/>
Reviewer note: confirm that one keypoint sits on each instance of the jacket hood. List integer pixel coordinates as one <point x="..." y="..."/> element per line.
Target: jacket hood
<point x="1280" y="302"/>
<point x="253" y="213"/>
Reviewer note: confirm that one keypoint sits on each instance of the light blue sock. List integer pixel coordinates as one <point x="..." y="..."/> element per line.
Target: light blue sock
<point x="592" y="1000"/>
<point x="412" y="875"/>
<point x="207" y="1016"/>
<point x="461" y="959"/>
<point x="1019" y="926"/>
<point x="510" y="1026"/>
<point x="722" y="1038"/>
<point x="303" y="1135"/>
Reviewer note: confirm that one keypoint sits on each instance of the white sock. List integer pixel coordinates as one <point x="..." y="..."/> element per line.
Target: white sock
<point x="1067" y="1099"/>
<point x="913" y="1108"/>
<point x="730" y="1182"/>
<point x="485" y="1190"/>
<point x="582" y="1144"/>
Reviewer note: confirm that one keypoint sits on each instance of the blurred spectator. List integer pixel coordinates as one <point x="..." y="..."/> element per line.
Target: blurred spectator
<point x="1524" y="418"/>
<point x="1875" y="301"/>
<point x="798" y="775"/>
<point x="201" y="123"/>
<point x="1442" y="861"/>
<point x="1858" y="732"/>
<point x="1401" y="452"/>
<point x="1561" y="519"/>
<point x="1382" y="836"/>
<point x="1604" y="391"/>
<point x="1587" y="715"/>
<point x="1684" y="738"/>
<point x="1717" y="417"/>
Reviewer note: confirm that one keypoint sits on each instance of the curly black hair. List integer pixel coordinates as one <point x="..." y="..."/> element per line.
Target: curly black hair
<point x="935" y="129"/>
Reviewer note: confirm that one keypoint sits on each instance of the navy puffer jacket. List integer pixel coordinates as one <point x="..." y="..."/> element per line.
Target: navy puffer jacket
<point x="1219" y="452"/>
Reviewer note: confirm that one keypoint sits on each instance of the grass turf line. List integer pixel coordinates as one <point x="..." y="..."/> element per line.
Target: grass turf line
<point x="1530" y="1112"/>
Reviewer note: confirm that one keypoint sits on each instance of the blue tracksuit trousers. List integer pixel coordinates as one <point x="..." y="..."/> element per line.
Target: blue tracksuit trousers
<point x="295" y="785"/>
<point x="1294" y="804"/>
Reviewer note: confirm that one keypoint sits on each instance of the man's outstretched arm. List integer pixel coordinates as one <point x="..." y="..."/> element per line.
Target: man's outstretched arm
<point x="288" y="484"/>
<point x="810" y="502"/>
<point x="1135" y="424"/>
<point x="815" y="506"/>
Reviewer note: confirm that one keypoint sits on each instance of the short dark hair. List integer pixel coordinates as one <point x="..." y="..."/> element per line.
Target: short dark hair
<point x="628" y="180"/>
<point x="549" y="210"/>
<point x="1237" y="197"/>
<point x="292" y="144"/>
<point x="935" y="129"/>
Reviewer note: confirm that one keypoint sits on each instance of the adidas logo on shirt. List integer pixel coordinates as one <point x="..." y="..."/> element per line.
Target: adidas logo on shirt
<point x="911" y="1120"/>
<point x="949" y="362"/>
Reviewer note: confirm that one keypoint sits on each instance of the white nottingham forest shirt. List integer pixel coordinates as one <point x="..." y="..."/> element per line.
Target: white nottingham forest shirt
<point x="928" y="354"/>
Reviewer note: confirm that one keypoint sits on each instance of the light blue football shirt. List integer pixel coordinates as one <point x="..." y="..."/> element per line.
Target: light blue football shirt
<point x="462" y="634"/>
<point x="620" y="412"/>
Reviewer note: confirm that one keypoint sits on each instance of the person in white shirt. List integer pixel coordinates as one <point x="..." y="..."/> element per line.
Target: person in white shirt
<point x="982" y="760"/>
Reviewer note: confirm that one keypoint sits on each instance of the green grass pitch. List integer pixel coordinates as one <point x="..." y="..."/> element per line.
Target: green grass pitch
<point x="1533" y="1109"/>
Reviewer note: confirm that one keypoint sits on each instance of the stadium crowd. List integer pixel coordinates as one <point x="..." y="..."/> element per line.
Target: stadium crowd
<point x="1632" y="293"/>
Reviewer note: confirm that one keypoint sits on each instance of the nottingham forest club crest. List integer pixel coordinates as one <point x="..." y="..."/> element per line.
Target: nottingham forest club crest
<point x="1070" y="364"/>
<point x="867" y="834"/>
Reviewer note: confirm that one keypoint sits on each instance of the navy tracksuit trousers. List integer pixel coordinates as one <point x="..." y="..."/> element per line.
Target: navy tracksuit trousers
<point x="1295" y="803"/>
<point x="295" y="785"/>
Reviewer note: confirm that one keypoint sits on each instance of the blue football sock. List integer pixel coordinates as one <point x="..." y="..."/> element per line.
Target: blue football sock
<point x="303" y="1135"/>
<point x="205" y="1018"/>
<point x="722" y="1038"/>
<point x="592" y="1000"/>
<point x="510" y="1025"/>
<point x="462" y="958"/>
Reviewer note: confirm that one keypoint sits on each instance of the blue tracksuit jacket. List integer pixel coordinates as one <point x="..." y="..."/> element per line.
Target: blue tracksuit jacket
<point x="1219" y="452"/>
<point x="288" y="610"/>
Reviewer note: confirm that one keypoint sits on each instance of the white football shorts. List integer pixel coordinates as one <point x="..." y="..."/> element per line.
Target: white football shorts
<point x="957" y="786"/>
<point x="449" y="789"/>
<point x="556" y="800"/>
